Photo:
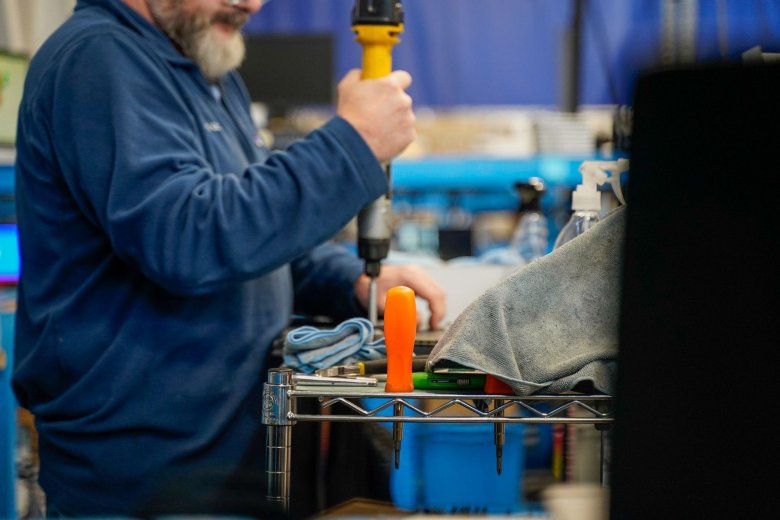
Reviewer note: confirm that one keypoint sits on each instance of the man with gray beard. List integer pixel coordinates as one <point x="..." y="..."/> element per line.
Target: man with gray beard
<point x="164" y="247"/>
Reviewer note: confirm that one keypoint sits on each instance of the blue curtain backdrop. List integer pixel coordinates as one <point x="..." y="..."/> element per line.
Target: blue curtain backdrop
<point x="499" y="52"/>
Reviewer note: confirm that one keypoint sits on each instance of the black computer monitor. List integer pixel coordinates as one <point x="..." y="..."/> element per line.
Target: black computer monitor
<point x="285" y="71"/>
<point x="695" y="433"/>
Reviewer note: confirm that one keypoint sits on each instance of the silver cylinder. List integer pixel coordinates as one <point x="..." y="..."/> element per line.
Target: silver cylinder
<point x="374" y="220"/>
<point x="277" y="410"/>
<point x="373" y="311"/>
<point x="278" y="456"/>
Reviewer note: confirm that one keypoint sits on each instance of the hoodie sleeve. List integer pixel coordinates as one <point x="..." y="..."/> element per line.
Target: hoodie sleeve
<point x="132" y="157"/>
<point x="324" y="282"/>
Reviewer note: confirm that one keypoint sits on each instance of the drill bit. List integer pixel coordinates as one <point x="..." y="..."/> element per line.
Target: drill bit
<point x="499" y="430"/>
<point x="372" y="308"/>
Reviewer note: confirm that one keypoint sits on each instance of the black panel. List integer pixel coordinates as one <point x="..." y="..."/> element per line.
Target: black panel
<point x="694" y="435"/>
<point x="289" y="70"/>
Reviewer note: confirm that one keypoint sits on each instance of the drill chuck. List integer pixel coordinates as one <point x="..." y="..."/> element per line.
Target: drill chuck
<point x="374" y="232"/>
<point x="377" y="12"/>
<point x="372" y="267"/>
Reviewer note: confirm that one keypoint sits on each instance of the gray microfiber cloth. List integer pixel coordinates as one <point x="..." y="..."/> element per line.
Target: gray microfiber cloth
<point x="551" y="327"/>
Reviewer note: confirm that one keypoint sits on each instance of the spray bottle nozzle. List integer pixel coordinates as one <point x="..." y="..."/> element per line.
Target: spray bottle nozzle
<point x="594" y="174"/>
<point x="530" y="193"/>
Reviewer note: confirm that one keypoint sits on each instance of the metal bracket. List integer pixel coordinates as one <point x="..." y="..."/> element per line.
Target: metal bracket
<point x="277" y="405"/>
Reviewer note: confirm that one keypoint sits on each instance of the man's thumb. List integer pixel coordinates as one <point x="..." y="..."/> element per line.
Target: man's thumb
<point x="353" y="76"/>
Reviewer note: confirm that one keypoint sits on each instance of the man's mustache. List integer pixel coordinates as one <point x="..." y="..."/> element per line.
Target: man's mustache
<point x="233" y="19"/>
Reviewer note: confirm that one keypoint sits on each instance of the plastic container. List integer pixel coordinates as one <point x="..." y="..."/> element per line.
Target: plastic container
<point x="450" y="468"/>
<point x="579" y="222"/>
<point x="530" y="236"/>
<point x="7" y="414"/>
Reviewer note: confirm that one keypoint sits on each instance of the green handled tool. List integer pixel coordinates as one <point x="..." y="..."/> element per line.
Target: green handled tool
<point x="447" y="381"/>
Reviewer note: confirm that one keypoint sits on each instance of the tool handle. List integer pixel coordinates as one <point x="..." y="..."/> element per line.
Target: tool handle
<point x="377" y="42"/>
<point x="493" y="385"/>
<point x="430" y="381"/>
<point x="400" y="330"/>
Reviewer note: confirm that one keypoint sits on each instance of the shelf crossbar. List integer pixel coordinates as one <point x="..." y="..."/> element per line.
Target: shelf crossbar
<point x="508" y="409"/>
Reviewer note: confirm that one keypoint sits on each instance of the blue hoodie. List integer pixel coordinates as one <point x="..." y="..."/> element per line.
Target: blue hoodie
<point x="163" y="249"/>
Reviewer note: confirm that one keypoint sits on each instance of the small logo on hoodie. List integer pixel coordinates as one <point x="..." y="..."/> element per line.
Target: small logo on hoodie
<point x="212" y="126"/>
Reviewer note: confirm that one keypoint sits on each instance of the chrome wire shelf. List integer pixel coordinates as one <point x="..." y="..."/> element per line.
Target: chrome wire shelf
<point x="280" y="397"/>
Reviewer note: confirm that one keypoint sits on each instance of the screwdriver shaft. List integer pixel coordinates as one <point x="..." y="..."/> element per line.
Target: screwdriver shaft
<point x="398" y="434"/>
<point x="499" y="436"/>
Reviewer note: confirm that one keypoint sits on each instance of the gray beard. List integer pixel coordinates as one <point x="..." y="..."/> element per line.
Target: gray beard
<point x="194" y="35"/>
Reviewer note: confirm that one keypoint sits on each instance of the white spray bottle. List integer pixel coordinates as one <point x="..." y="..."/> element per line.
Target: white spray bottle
<point x="586" y="199"/>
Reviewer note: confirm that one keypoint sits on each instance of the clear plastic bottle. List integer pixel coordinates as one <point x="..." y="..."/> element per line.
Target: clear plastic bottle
<point x="579" y="222"/>
<point x="530" y="237"/>
<point x="586" y="199"/>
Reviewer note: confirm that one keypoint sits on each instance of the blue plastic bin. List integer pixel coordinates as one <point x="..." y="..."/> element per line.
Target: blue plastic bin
<point x="452" y="468"/>
<point x="7" y="416"/>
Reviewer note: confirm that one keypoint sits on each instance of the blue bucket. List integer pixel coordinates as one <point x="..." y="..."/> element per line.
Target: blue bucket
<point x="452" y="468"/>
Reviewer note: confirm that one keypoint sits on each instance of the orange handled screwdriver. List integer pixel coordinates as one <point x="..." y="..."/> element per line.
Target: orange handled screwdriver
<point x="400" y="330"/>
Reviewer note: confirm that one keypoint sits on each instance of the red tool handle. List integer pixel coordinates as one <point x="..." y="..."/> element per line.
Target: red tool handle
<point x="494" y="385"/>
<point x="400" y="330"/>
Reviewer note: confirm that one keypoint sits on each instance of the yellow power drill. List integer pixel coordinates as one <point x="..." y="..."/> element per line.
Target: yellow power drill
<point x="377" y="24"/>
